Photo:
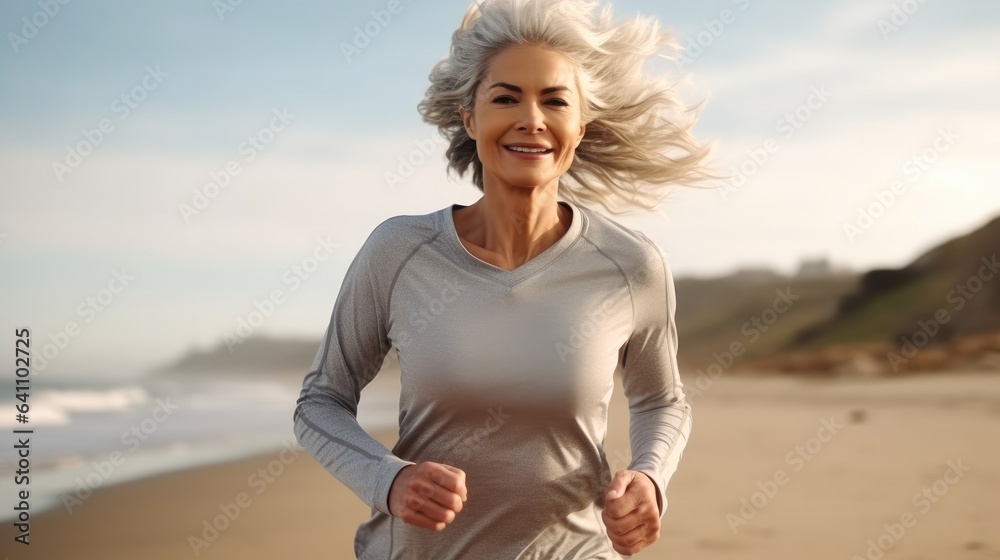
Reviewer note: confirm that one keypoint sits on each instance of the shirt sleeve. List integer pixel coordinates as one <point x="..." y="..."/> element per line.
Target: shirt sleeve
<point x="659" y="414"/>
<point x="351" y="354"/>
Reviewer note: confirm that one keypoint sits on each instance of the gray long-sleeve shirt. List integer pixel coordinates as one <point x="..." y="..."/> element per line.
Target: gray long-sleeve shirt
<point x="507" y="375"/>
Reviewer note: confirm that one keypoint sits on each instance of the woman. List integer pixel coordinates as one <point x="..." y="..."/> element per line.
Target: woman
<point x="511" y="316"/>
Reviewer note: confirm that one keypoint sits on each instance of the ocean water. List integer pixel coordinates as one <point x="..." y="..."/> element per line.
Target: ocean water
<point x="93" y="435"/>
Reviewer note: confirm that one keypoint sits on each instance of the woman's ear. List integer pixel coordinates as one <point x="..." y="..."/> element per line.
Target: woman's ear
<point x="468" y="121"/>
<point x="583" y="131"/>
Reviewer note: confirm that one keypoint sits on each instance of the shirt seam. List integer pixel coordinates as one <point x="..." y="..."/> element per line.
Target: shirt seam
<point x="399" y="270"/>
<point x="628" y="282"/>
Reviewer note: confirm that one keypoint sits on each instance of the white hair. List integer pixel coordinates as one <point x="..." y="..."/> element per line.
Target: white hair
<point x="638" y="137"/>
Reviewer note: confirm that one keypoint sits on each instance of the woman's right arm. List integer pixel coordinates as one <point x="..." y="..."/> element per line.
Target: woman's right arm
<point x="351" y="354"/>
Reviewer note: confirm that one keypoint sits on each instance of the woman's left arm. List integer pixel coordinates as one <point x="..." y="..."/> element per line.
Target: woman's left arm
<point x="659" y="414"/>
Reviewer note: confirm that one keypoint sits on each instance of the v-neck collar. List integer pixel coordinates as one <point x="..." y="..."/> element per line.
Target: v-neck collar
<point x="529" y="268"/>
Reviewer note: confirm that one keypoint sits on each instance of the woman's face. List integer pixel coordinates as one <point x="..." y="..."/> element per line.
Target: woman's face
<point x="528" y="99"/>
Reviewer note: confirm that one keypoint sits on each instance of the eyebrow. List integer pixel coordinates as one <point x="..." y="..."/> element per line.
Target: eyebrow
<point x="545" y="91"/>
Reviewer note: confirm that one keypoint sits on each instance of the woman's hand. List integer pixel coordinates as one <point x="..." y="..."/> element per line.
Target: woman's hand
<point x="630" y="512"/>
<point x="428" y="495"/>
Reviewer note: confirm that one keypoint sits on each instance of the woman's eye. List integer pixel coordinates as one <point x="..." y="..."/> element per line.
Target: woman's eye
<point x="506" y="100"/>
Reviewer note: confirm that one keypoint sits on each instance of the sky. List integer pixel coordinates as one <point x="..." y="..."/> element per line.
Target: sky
<point x="166" y="167"/>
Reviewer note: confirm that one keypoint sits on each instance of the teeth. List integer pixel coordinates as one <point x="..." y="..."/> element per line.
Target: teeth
<point x="527" y="150"/>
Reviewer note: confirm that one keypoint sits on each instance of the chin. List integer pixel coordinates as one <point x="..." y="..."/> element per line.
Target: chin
<point x="528" y="181"/>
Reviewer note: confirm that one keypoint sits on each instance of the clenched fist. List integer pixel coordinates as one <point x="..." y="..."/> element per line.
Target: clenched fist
<point x="428" y="495"/>
<point x="630" y="512"/>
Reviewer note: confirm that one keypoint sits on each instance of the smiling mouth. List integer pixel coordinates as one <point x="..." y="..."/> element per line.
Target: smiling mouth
<point x="521" y="150"/>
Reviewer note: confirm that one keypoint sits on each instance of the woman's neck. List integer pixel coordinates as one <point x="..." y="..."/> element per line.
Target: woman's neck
<point x="512" y="227"/>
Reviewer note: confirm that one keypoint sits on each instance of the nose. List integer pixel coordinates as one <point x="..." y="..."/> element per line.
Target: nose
<point x="531" y="118"/>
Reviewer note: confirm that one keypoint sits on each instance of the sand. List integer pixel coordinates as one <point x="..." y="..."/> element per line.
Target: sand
<point x="838" y="468"/>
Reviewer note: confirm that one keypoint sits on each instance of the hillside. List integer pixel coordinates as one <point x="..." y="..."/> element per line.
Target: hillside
<point x="761" y="315"/>
<point x="257" y="355"/>
<point x="958" y="277"/>
<point x="940" y="312"/>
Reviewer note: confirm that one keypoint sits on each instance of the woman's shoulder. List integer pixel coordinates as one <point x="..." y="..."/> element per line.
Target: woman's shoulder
<point x="418" y="225"/>
<point x="398" y="235"/>
<point x="630" y="248"/>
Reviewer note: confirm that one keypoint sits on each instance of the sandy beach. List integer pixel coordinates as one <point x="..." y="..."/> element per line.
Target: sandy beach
<point x="777" y="468"/>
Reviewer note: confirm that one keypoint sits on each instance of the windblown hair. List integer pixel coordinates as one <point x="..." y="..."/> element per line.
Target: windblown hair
<point x="638" y="138"/>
